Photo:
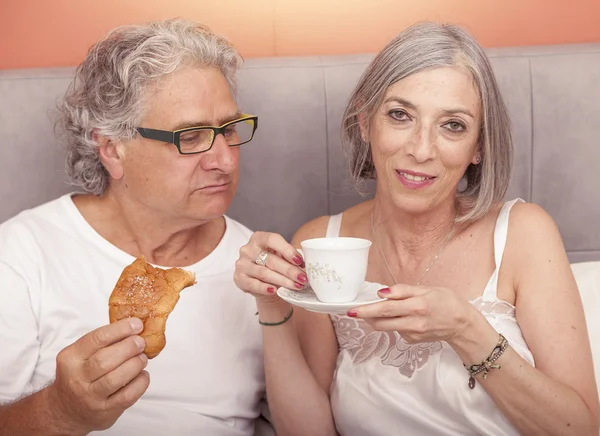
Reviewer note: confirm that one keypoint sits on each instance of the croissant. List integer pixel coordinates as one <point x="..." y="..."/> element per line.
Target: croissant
<point x="148" y="293"/>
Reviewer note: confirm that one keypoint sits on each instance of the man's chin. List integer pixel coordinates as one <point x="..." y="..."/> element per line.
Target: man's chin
<point x="213" y="206"/>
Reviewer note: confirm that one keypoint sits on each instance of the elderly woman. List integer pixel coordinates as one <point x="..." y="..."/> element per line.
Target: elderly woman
<point x="153" y="132"/>
<point x="481" y="330"/>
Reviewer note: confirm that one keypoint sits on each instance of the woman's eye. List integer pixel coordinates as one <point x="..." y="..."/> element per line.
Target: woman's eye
<point x="398" y="115"/>
<point x="455" y="126"/>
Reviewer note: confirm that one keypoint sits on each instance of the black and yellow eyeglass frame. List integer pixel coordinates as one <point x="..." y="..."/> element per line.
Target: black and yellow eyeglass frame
<point x="173" y="137"/>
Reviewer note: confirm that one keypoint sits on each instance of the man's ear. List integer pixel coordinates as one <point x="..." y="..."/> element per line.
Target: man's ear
<point x="110" y="153"/>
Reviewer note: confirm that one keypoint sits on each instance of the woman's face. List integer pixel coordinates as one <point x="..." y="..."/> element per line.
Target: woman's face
<point x="424" y="136"/>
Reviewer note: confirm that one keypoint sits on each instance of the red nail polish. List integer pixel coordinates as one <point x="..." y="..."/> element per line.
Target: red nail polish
<point x="298" y="260"/>
<point x="352" y="313"/>
<point x="271" y="290"/>
<point x="302" y="278"/>
<point x="299" y="285"/>
<point x="385" y="291"/>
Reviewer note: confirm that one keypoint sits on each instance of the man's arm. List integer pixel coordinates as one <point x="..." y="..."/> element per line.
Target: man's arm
<point x="19" y="414"/>
<point x="97" y="377"/>
<point x="32" y="416"/>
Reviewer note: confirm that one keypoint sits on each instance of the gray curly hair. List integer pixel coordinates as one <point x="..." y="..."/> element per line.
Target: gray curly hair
<point x="111" y="86"/>
<point x="420" y="47"/>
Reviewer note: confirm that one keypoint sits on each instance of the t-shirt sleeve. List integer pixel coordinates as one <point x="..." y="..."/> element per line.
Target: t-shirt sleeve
<point x="19" y="344"/>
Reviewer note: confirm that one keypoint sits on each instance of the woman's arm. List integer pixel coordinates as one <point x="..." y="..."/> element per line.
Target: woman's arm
<point x="299" y="355"/>
<point x="558" y="396"/>
<point x="299" y="362"/>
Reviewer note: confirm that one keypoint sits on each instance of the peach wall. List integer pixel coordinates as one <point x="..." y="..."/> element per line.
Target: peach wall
<point x="42" y="33"/>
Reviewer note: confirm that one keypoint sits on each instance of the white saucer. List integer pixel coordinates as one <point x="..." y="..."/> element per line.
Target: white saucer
<point x="308" y="300"/>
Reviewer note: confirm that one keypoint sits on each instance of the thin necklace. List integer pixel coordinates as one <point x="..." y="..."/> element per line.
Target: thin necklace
<point x="430" y="264"/>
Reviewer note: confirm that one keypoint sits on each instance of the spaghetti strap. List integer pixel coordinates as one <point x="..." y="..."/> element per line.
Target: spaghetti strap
<point x="500" y="237"/>
<point x="333" y="226"/>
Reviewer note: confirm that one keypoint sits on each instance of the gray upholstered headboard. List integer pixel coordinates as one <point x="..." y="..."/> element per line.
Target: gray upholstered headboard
<point x="294" y="169"/>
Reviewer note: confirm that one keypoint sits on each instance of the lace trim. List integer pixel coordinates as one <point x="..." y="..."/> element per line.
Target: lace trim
<point x="495" y="308"/>
<point x="363" y="343"/>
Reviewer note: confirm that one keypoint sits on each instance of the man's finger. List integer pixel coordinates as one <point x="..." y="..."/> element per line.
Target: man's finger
<point x="110" y="358"/>
<point x="105" y="336"/>
<point x="119" y="377"/>
<point x="130" y="393"/>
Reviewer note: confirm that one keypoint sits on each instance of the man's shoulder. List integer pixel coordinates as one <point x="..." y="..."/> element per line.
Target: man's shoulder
<point x="28" y="236"/>
<point x="33" y="218"/>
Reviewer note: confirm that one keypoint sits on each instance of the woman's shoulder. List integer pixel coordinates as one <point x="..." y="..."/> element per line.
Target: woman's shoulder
<point x="530" y="220"/>
<point x="532" y="234"/>
<point x="317" y="228"/>
<point x="523" y="219"/>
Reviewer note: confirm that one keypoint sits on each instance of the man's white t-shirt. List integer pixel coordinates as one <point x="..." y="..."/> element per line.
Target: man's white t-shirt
<point x="56" y="276"/>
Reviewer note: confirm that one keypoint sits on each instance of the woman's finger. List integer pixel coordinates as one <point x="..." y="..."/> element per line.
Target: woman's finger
<point x="399" y="324"/>
<point x="281" y="266"/>
<point x="272" y="262"/>
<point x="414" y="306"/>
<point x="285" y="274"/>
<point x="277" y="243"/>
<point x="254" y="286"/>
<point x="402" y="292"/>
<point x="275" y="278"/>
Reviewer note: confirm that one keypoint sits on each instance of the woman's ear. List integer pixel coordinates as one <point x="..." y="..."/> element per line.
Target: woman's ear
<point x="476" y="159"/>
<point x="110" y="154"/>
<point x="363" y="126"/>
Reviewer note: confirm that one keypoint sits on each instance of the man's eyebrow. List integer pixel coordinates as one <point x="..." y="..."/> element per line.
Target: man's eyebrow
<point x="204" y="123"/>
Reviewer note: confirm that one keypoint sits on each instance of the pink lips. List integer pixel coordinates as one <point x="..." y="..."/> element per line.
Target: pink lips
<point x="414" y="180"/>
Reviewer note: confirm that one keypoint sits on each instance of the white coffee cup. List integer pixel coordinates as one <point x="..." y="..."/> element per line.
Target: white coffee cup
<point x="336" y="267"/>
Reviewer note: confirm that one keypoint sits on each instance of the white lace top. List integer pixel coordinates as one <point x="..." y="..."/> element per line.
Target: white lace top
<point x="384" y="386"/>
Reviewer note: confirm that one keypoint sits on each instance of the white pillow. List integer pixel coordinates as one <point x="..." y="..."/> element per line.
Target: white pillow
<point x="587" y="275"/>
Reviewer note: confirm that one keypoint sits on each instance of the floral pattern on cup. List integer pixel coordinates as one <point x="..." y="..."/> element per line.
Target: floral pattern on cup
<point x="323" y="272"/>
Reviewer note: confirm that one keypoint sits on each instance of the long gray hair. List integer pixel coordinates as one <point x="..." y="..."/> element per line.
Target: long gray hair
<point x="111" y="86"/>
<point x="418" y="48"/>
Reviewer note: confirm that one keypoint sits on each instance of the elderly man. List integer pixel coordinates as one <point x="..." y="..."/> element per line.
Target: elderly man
<point x="153" y="131"/>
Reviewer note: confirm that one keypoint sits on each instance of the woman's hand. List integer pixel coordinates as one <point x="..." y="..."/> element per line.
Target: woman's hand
<point x="419" y="314"/>
<point x="282" y="265"/>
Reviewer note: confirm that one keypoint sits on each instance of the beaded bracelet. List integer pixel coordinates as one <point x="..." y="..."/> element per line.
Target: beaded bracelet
<point x="272" y="324"/>
<point x="487" y="364"/>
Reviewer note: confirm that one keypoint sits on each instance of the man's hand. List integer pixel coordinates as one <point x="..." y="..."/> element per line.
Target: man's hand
<point x="100" y="376"/>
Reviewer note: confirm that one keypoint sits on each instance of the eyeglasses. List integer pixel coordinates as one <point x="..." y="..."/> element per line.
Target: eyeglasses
<point x="195" y="140"/>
